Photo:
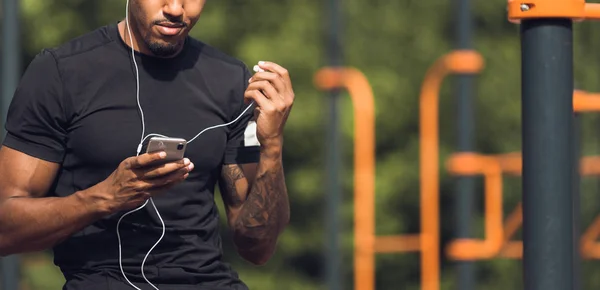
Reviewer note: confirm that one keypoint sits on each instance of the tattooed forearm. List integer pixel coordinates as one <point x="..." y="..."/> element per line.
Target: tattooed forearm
<point x="265" y="212"/>
<point x="263" y="215"/>
<point x="260" y="213"/>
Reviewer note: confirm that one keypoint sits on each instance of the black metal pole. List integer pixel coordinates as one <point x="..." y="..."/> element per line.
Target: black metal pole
<point x="334" y="196"/>
<point x="577" y="141"/>
<point x="465" y="186"/>
<point x="11" y="54"/>
<point x="11" y="57"/>
<point x="547" y="115"/>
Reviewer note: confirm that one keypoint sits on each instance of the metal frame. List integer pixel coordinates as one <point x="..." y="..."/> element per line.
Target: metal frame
<point x="333" y="261"/>
<point x="550" y="210"/>
<point x="11" y="57"/>
<point x="464" y="201"/>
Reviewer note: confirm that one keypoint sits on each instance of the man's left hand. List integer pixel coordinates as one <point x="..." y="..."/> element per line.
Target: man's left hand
<point x="273" y="94"/>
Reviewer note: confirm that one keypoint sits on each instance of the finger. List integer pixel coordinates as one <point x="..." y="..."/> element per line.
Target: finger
<point x="258" y="98"/>
<point x="276" y="80"/>
<point x="266" y="88"/>
<point x="277" y="100"/>
<point x="167" y="168"/>
<point x="166" y="180"/>
<point x="145" y="159"/>
<point x="273" y="67"/>
<point x="160" y="188"/>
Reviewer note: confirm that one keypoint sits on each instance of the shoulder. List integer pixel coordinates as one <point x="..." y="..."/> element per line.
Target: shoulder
<point x="84" y="44"/>
<point x="51" y="70"/>
<point x="218" y="60"/>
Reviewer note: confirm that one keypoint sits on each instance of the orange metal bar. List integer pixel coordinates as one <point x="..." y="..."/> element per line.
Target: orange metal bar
<point x="474" y="164"/>
<point x="364" y="163"/>
<point x="523" y="9"/>
<point x="513" y="222"/>
<point x="577" y="10"/>
<point x="586" y="102"/>
<point x="590" y="249"/>
<point x="395" y="244"/>
<point x="460" y="61"/>
<point x="512" y="163"/>
<point x="591" y="11"/>
<point x="513" y="249"/>
<point x="590" y="165"/>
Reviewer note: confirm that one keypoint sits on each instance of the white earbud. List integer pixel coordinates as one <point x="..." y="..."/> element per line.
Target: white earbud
<point x="257" y="68"/>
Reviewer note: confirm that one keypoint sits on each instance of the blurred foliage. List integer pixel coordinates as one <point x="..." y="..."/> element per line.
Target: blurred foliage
<point x="393" y="43"/>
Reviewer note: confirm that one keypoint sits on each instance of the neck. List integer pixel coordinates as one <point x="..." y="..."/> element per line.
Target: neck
<point x="124" y="32"/>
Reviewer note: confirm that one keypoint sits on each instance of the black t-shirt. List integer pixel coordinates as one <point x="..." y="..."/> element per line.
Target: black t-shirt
<point x="76" y="105"/>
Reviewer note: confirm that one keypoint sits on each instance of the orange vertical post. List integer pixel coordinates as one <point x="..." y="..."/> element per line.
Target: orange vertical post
<point x="459" y="61"/>
<point x="364" y="165"/>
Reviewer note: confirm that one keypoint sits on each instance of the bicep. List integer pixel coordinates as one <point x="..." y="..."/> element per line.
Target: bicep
<point x="22" y="175"/>
<point x="234" y="184"/>
<point x="36" y="125"/>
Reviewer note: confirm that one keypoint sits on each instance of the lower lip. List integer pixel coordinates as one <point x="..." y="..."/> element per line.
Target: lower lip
<point x="169" y="30"/>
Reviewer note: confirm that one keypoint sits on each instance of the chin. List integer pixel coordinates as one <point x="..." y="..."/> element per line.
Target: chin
<point x="164" y="48"/>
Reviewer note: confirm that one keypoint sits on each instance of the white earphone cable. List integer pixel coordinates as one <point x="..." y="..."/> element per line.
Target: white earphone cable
<point x="139" y="148"/>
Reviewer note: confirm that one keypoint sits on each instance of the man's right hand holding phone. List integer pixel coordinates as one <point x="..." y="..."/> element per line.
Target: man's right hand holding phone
<point x="139" y="178"/>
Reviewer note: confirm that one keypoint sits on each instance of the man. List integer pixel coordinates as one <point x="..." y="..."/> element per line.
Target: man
<point x="69" y="168"/>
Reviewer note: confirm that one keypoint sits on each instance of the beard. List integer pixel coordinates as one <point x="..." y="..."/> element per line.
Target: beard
<point x="160" y="48"/>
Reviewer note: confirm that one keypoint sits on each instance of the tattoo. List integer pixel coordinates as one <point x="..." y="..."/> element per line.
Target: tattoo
<point x="257" y="214"/>
<point x="229" y="190"/>
<point x="266" y="211"/>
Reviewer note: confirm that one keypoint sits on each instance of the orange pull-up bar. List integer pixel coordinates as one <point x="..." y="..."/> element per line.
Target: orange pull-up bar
<point x="366" y="243"/>
<point x="364" y="165"/>
<point x="460" y="61"/>
<point x="577" y="10"/>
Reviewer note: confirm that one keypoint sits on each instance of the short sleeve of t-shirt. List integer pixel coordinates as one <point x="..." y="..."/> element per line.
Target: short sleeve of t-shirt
<point x="242" y="143"/>
<point x="36" y="122"/>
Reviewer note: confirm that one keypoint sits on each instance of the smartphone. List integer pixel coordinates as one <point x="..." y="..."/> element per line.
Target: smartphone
<point x="174" y="147"/>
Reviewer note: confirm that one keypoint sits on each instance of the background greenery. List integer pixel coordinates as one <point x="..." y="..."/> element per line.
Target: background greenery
<point x="393" y="43"/>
